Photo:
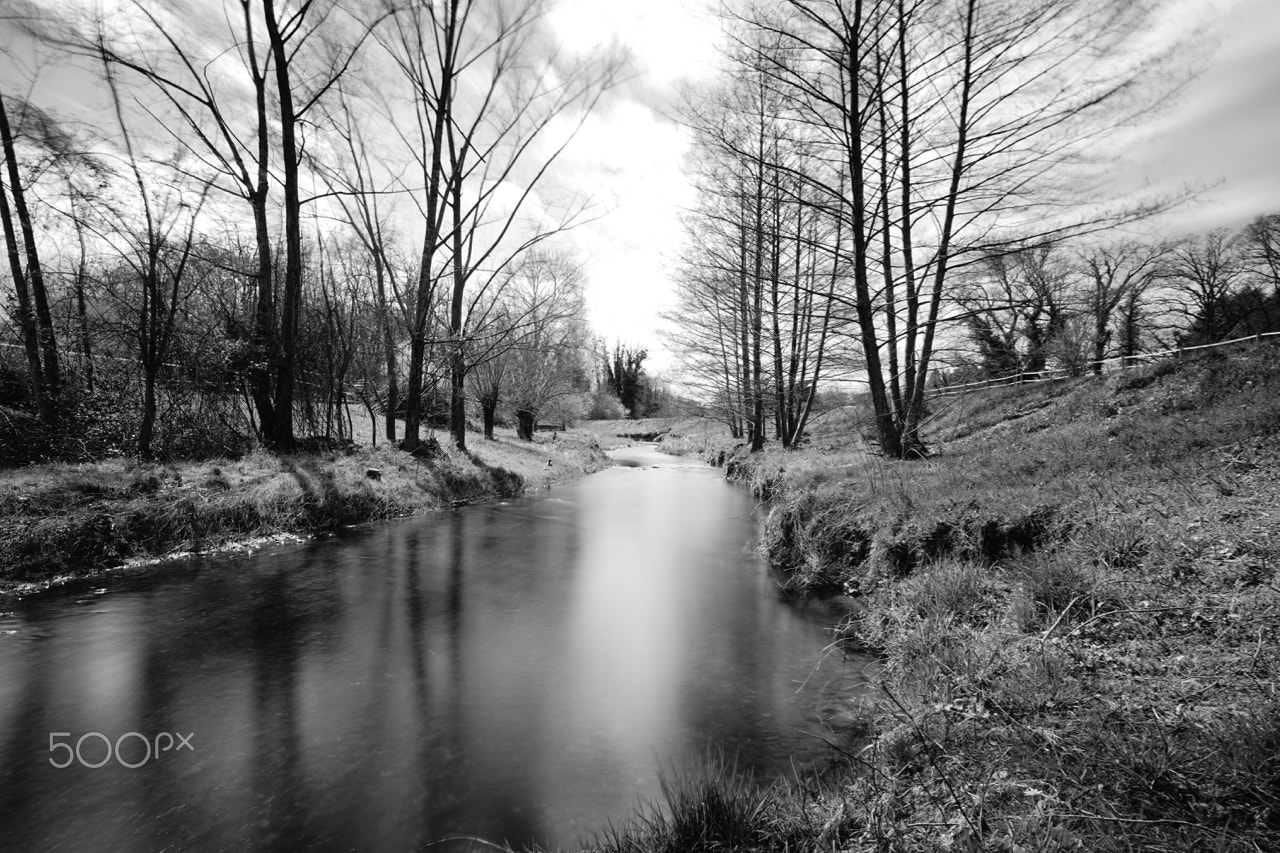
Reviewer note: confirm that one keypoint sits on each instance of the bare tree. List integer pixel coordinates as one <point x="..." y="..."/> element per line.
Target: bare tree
<point x="548" y="361"/>
<point x="761" y="273"/>
<point x="1117" y="277"/>
<point x="362" y="184"/>
<point x="158" y="254"/>
<point x="1205" y="273"/>
<point x="486" y="95"/>
<point x="290" y="67"/>
<point x="944" y="127"/>
<point x="1262" y="248"/>
<point x="527" y="346"/>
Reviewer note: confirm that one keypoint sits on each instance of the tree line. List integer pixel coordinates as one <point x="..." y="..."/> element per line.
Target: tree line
<point x="270" y="209"/>
<point x="1075" y="304"/>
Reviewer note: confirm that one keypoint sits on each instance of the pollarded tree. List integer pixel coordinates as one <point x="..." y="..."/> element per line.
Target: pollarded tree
<point x="546" y="341"/>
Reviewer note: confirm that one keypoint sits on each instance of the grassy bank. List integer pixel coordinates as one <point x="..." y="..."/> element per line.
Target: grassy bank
<point x="60" y="521"/>
<point x="1077" y="606"/>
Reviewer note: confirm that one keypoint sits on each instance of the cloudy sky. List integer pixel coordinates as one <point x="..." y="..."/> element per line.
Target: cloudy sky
<point x="631" y="155"/>
<point x="1223" y="133"/>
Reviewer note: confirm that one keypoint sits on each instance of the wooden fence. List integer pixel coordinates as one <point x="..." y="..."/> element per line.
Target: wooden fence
<point x="1108" y="365"/>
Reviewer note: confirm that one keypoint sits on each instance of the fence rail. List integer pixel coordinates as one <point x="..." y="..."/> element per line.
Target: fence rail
<point x="1108" y="365"/>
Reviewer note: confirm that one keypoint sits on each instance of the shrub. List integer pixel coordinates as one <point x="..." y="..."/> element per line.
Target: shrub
<point x="604" y="406"/>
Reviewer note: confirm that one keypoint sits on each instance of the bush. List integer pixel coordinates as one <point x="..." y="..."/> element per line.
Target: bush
<point x="604" y="406"/>
<point x="23" y="438"/>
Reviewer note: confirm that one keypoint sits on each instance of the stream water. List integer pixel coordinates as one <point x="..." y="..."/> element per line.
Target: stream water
<point x="517" y="671"/>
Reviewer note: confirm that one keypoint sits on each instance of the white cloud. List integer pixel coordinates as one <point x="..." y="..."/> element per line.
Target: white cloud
<point x="628" y="157"/>
<point x="1224" y="133"/>
<point x="669" y="39"/>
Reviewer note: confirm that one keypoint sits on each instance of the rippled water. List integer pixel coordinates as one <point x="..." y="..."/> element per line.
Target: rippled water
<point x="517" y="671"/>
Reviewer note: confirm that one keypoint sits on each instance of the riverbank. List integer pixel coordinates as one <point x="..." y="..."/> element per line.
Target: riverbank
<point x="68" y="521"/>
<point x="1077" y="605"/>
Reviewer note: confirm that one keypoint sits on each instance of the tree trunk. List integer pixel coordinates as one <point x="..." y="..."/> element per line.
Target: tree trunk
<point x="413" y="393"/>
<point x="82" y="274"/>
<point x="146" y="429"/>
<point x="489" y="405"/>
<point x="26" y="316"/>
<point x="263" y="342"/>
<point x="1101" y="337"/>
<point x="47" y="393"/>
<point x="886" y="242"/>
<point x="775" y="308"/>
<point x="441" y="116"/>
<point x="886" y="433"/>
<point x="458" y="399"/>
<point x="388" y="348"/>
<point x="744" y="311"/>
<point x="525" y="422"/>
<point x="910" y="444"/>
<point x="458" y="365"/>
<point x="291" y="305"/>
<point x="904" y="227"/>
<point x="757" y="319"/>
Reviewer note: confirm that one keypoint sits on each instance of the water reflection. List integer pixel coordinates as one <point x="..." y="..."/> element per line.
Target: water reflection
<point x="517" y="671"/>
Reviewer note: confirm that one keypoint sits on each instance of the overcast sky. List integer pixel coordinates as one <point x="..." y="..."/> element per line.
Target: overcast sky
<point x="631" y="156"/>
<point x="1224" y="132"/>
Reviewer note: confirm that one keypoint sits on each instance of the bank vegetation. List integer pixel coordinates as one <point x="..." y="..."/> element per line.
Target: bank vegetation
<point x="1075" y="603"/>
<point x="61" y="521"/>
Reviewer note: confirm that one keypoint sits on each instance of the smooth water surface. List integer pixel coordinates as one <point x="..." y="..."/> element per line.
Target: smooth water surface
<point x="518" y="671"/>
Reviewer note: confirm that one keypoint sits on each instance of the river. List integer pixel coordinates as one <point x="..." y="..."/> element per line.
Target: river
<point x="516" y="671"/>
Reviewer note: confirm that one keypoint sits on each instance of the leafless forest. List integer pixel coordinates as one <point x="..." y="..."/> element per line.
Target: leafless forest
<point x="269" y="213"/>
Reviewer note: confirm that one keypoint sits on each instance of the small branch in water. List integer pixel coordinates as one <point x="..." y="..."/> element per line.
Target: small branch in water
<point x="470" y="839"/>
<point x="846" y="753"/>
